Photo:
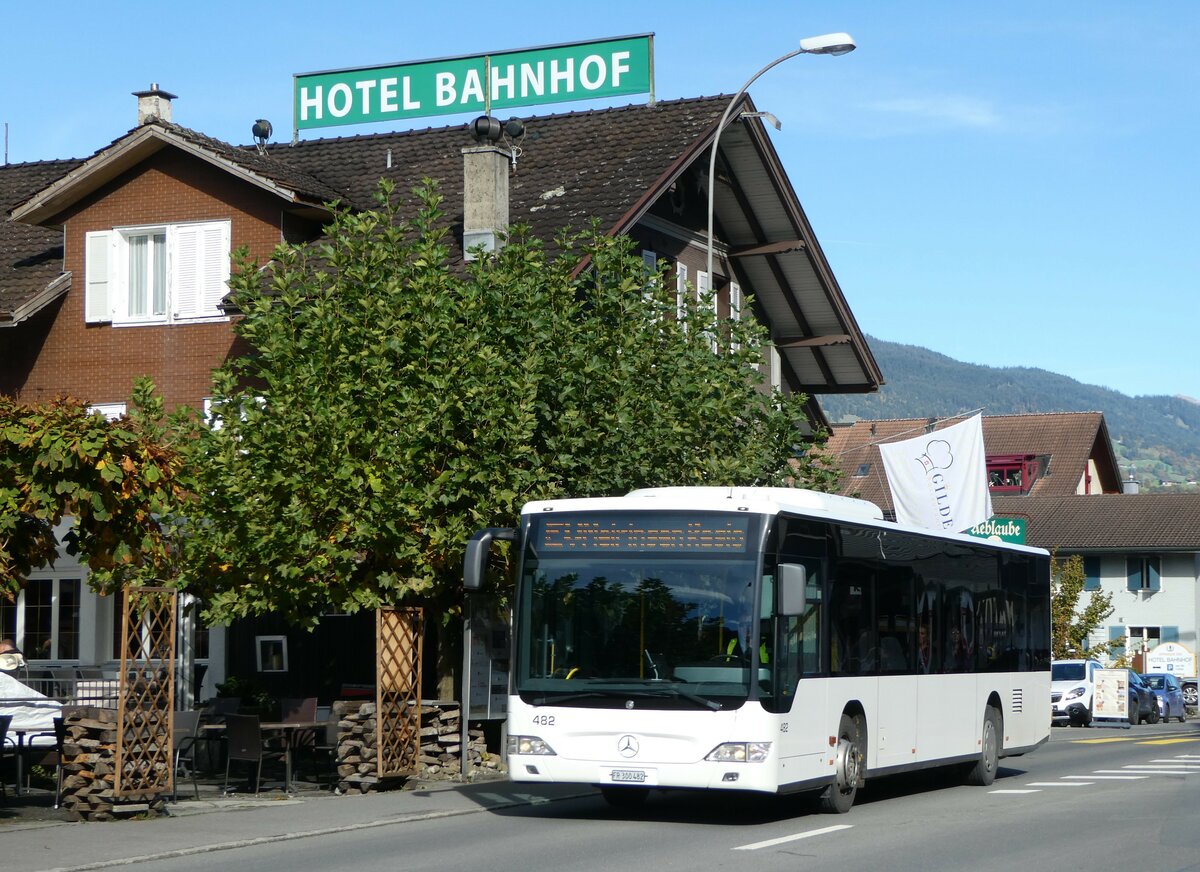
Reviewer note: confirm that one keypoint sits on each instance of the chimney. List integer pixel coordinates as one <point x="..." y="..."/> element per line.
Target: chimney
<point x="154" y="103"/>
<point x="485" y="188"/>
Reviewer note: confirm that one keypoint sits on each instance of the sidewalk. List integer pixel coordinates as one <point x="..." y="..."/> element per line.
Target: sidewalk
<point x="35" y="838"/>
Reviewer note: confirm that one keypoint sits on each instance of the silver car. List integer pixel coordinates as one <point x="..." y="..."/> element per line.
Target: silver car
<point x="1169" y="695"/>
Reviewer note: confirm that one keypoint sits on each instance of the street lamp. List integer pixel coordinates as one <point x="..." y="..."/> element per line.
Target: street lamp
<point x="828" y="44"/>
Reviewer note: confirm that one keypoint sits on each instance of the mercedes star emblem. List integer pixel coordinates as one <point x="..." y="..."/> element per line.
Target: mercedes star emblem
<point x="627" y="746"/>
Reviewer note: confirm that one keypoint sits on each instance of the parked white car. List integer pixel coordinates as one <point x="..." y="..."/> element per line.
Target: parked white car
<point x="1072" y="686"/>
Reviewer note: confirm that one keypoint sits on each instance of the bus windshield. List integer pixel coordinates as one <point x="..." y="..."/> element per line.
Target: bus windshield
<point x="650" y="608"/>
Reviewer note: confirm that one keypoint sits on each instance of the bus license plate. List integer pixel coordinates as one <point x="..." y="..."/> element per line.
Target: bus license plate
<point x="636" y="776"/>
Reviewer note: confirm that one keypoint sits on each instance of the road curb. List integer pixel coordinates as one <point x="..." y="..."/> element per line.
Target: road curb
<point x="303" y="834"/>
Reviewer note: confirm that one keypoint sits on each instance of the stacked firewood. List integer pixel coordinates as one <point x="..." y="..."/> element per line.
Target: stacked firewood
<point x="440" y="746"/>
<point x="89" y="771"/>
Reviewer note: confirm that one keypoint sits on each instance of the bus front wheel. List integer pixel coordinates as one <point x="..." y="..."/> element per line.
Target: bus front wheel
<point x="838" y="797"/>
<point x="983" y="772"/>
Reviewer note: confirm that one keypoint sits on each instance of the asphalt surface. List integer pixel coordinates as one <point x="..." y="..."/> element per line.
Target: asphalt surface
<point x="34" y="837"/>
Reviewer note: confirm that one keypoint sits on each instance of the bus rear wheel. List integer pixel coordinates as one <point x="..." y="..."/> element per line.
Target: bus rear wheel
<point x="838" y="797"/>
<point x="983" y="772"/>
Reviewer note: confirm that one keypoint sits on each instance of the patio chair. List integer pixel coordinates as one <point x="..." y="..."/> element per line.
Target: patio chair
<point x="326" y="746"/>
<point x="53" y="757"/>
<point x="184" y="733"/>
<point x="247" y="744"/>
<point x="211" y="741"/>
<point x="297" y="711"/>
<point x="292" y="711"/>
<point x="65" y="679"/>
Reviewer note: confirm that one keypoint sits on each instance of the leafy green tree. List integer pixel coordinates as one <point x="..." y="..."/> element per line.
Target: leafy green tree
<point x="117" y="479"/>
<point x="1073" y="616"/>
<point x="393" y="405"/>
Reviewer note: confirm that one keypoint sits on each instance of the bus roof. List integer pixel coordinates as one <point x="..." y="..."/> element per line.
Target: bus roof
<point x="762" y="500"/>
<point x="765" y="500"/>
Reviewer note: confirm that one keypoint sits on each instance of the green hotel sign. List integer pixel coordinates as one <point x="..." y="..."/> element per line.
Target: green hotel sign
<point x="1004" y="529"/>
<point x="483" y="83"/>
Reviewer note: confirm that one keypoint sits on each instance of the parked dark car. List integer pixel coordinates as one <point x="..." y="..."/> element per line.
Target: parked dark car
<point x="1169" y="693"/>
<point x="1143" y="704"/>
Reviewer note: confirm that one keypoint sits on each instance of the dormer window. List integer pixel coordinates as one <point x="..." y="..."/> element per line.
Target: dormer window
<point x="1012" y="473"/>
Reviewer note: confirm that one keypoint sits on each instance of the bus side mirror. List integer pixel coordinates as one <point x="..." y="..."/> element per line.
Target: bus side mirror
<point x="478" y="548"/>
<point x="792" y="579"/>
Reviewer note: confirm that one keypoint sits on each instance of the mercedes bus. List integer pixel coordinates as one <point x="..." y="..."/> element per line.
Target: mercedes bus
<point x="764" y="639"/>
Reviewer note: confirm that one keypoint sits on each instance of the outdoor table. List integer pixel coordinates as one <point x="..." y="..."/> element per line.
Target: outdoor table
<point x="289" y="730"/>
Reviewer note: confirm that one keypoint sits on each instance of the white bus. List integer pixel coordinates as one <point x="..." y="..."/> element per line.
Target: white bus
<point x="764" y="639"/>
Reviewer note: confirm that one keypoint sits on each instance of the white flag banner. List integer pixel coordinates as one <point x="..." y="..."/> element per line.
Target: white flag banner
<point x="939" y="480"/>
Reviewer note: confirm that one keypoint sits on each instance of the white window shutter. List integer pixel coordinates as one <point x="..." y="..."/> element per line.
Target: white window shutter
<point x="199" y="268"/>
<point x="184" y="243"/>
<point x="98" y="295"/>
<point x="681" y="289"/>
<point x="703" y="287"/>
<point x="216" y="267"/>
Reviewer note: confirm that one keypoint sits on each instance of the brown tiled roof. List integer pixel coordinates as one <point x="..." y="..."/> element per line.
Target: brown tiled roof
<point x="1108" y="522"/>
<point x="1068" y="439"/>
<point x="571" y="167"/>
<point x="30" y="257"/>
<point x="576" y="166"/>
<point x="265" y="165"/>
<point x="609" y="166"/>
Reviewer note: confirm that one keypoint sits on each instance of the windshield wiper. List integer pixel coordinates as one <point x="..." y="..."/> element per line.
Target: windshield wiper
<point x="683" y="694"/>
<point x="572" y="697"/>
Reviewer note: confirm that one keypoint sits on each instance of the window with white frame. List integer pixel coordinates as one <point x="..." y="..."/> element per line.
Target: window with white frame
<point x="164" y="274"/>
<point x="650" y="271"/>
<point x="43" y="620"/>
<point x="110" y="411"/>
<point x="1143" y="572"/>
<point x="1142" y="638"/>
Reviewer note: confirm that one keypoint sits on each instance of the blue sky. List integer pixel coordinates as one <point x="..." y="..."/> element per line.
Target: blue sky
<point x="1010" y="185"/>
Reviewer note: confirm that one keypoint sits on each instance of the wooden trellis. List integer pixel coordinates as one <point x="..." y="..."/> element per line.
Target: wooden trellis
<point x="398" y="645"/>
<point x="146" y="705"/>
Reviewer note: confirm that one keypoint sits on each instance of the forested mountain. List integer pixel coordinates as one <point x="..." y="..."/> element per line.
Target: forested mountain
<point x="1158" y="437"/>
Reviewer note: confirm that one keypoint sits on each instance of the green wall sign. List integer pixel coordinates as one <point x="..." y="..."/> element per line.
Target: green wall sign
<point x="1004" y="529"/>
<point x="520" y="77"/>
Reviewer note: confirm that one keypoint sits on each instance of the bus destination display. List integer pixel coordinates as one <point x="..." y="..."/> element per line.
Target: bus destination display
<point x="644" y="533"/>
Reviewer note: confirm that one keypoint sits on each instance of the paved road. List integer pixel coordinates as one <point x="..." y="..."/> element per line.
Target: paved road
<point x="1091" y="799"/>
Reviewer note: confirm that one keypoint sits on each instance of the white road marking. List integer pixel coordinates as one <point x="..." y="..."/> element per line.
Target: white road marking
<point x="783" y="839"/>
<point x="1058" y="784"/>
<point x="1110" y="777"/>
<point x="1014" y="791"/>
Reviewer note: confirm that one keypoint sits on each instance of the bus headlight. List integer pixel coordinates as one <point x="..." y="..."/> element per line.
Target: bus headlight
<point x="739" y="752"/>
<point x="528" y="745"/>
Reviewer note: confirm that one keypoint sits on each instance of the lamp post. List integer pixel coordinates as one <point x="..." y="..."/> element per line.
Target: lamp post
<point x="829" y="44"/>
